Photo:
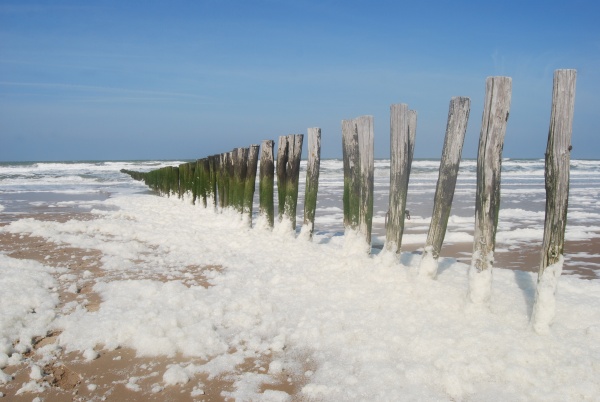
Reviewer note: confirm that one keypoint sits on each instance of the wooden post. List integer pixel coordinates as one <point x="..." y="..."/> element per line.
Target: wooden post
<point x="400" y="150"/>
<point x="206" y="186"/>
<point x="240" y="168"/>
<point x="213" y="162"/>
<point x="351" y="196"/>
<point x="282" y="156"/>
<point x="458" y="117"/>
<point x="186" y="180"/>
<point x="250" y="185"/>
<point x="364" y="127"/>
<point x="226" y="170"/>
<point x="198" y="185"/>
<point x="221" y="180"/>
<point x="266" y="182"/>
<point x="487" y="199"/>
<point x="230" y="172"/>
<point x="357" y="143"/>
<point x="558" y="156"/>
<point x="312" y="179"/>
<point x="288" y="173"/>
<point x="412" y="133"/>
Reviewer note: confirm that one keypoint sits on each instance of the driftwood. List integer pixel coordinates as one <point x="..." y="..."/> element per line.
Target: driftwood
<point x="312" y="178"/>
<point x="487" y="199"/>
<point x="458" y="117"/>
<point x="266" y="182"/>
<point x="558" y="156"/>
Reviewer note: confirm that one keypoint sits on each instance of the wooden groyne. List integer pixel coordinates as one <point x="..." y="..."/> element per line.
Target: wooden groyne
<point x="228" y="180"/>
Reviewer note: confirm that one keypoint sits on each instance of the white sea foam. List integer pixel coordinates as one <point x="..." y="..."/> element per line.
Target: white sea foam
<point x="360" y="325"/>
<point x="363" y="326"/>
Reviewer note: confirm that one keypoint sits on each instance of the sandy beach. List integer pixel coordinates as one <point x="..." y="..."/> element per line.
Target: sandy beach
<point x="69" y="376"/>
<point x="120" y="374"/>
<point x="138" y="297"/>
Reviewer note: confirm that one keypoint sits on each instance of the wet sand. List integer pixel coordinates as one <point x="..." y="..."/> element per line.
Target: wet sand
<point x="120" y="375"/>
<point x="117" y="375"/>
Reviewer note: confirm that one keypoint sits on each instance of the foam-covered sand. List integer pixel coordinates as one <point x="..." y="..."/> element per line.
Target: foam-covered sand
<point x="269" y="316"/>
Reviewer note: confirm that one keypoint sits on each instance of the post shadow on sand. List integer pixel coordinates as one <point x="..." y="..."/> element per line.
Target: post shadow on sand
<point x="527" y="284"/>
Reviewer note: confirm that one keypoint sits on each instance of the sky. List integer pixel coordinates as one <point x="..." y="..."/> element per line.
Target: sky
<point x="122" y="80"/>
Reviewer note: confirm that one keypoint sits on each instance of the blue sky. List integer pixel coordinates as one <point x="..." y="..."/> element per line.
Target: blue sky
<point x="84" y="80"/>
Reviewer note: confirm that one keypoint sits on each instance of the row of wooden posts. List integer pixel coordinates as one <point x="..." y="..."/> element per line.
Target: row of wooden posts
<point x="228" y="180"/>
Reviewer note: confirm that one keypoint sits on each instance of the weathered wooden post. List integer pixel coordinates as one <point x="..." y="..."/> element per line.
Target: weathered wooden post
<point x="282" y="155"/>
<point x="351" y="195"/>
<point x="250" y="185"/>
<point x="240" y="169"/>
<point x="558" y="156"/>
<point x="198" y="184"/>
<point x="213" y="163"/>
<point x="487" y="199"/>
<point x="359" y="168"/>
<point x="229" y="173"/>
<point x="288" y="172"/>
<point x="186" y="179"/>
<point x="226" y="176"/>
<point x="400" y="150"/>
<point x="266" y="182"/>
<point x="458" y="117"/>
<point x="221" y="180"/>
<point x="312" y="180"/>
<point x="206" y="185"/>
<point x="412" y="134"/>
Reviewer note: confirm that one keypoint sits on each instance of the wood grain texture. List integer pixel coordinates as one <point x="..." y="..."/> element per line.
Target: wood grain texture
<point x="399" y="175"/>
<point x="266" y="182"/>
<point x="312" y="177"/>
<point x="487" y="199"/>
<point x="456" y="127"/>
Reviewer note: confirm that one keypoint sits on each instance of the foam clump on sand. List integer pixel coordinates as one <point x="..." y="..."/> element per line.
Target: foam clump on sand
<point x="362" y="328"/>
<point x="27" y="300"/>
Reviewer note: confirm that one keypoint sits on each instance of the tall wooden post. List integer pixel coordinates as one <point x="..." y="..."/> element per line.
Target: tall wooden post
<point x="213" y="163"/>
<point x="399" y="175"/>
<point x="312" y="178"/>
<point x="240" y="168"/>
<point x="288" y="174"/>
<point x="487" y="201"/>
<point x="266" y="182"/>
<point x="206" y="188"/>
<point x="351" y="195"/>
<point x="282" y="156"/>
<point x="186" y="179"/>
<point x="220" y="170"/>
<point x="359" y="168"/>
<point x="200" y="182"/>
<point x="250" y="186"/>
<point x="231" y="184"/>
<point x="558" y="156"/>
<point x="412" y="134"/>
<point x="458" y="117"/>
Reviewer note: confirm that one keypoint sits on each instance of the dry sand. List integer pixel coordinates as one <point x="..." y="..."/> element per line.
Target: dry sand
<point x="120" y="375"/>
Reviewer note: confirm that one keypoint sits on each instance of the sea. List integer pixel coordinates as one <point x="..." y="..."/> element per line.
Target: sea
<point x="41" y="188"/>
